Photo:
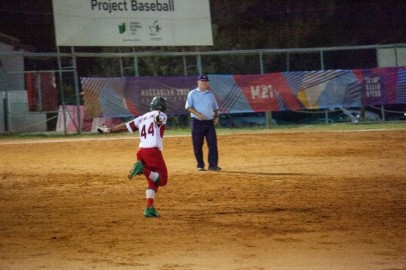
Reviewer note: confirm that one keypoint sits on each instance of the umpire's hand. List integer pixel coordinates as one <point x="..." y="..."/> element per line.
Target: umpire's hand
<point x="216" y="120"/>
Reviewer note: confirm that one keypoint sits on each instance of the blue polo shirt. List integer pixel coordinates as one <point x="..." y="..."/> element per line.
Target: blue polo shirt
<point x="203" y="102"/>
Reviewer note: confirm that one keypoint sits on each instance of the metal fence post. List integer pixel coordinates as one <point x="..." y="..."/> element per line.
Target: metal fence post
<point x="322" y="68"/>
<point x="261" y="63"/>
<point x="136" y="72"/>
<point x="321" y="60"/>
<point x="199" y="62"/>
<point x="268" y="115"/>
<point x="61" y="91"/>
<point x="76" y="82"/>
<point x="3" y="86"/>
<point x="121" y="67"/>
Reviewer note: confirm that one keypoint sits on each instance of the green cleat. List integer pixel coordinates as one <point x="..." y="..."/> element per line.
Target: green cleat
<point x="137" y="169"/>
<point x="151" y="212"/>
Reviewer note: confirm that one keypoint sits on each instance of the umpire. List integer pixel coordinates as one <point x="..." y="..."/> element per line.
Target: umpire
<point x="202" y="105"/>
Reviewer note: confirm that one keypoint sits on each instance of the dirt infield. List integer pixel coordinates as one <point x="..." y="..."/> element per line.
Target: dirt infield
<point x="289" y="200"/>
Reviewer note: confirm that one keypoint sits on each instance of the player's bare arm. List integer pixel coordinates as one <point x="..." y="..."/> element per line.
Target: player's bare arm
<point x="119" y="128"/>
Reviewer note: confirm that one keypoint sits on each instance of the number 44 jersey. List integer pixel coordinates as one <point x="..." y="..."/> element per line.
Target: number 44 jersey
<point x="151" y="127"/>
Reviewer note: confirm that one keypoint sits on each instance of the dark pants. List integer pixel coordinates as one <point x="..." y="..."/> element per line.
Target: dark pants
<point x="200" y="130"/>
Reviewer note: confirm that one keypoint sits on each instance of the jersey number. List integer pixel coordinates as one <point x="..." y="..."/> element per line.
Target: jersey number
<point x="145" y="132"/>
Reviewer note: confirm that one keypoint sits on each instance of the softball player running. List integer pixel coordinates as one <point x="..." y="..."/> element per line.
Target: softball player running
<point x="150" y="162"/>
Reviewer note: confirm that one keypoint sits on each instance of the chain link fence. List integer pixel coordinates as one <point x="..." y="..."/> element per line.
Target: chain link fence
<point x="69" y="64"/>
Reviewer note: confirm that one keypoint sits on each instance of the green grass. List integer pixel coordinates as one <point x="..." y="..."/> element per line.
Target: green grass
<point x="322" y="127"/>
<point x="186" y="131"/>
<point x="347" y="126"/>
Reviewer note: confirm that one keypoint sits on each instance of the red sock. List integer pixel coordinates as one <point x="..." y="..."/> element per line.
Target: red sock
<point x="150" y="202"/>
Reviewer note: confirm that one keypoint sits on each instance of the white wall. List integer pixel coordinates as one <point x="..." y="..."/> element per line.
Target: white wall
<point x="392" y="57"/>
<point x="12" y="87"/>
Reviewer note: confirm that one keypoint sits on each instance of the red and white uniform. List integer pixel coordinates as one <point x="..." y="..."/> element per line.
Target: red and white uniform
<point x="150" y="147"/>
<point x="150" y="133"/>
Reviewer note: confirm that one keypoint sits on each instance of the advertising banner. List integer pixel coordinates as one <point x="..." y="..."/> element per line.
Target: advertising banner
<point x="132" y="22"/>
<point x="129" y="96"/>
<point x="281" y="91"/>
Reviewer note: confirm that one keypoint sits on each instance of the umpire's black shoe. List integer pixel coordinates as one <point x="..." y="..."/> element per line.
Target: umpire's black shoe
<point x="214" y="168"/>
<point x="201" y="169"/>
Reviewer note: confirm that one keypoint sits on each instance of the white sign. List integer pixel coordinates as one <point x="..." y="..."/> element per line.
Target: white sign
<point x="132" y="23"/>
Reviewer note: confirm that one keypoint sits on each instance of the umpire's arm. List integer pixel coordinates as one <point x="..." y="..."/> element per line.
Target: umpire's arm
<point x="198" y="114"/>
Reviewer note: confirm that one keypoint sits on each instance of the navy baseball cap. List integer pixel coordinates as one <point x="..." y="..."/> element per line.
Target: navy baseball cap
<point x="203" y="78"/>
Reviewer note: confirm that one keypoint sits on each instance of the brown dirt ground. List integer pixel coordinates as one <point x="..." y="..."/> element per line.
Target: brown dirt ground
<point x="284" y="200"/>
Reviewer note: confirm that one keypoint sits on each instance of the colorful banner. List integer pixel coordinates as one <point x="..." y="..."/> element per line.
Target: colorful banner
<point x="283" y="91"/>
<point x="129" y="96"/>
